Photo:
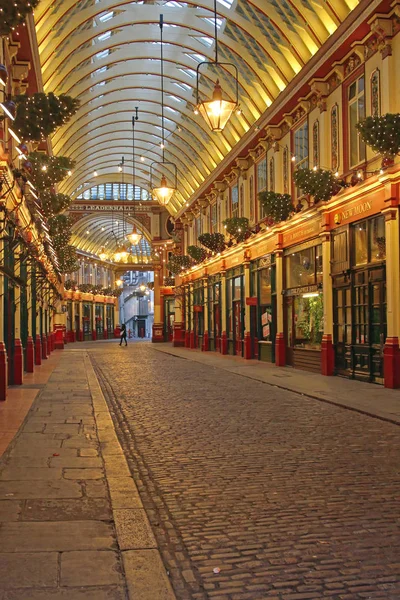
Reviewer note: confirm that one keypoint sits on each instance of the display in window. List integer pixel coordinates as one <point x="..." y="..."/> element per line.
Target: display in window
<point x="309" y="320"/>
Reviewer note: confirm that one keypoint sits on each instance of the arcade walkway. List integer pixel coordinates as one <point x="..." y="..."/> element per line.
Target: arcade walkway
<point x="139" y="474"/>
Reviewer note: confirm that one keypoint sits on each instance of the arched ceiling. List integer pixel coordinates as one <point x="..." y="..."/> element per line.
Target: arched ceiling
<point x="107" y="54"/>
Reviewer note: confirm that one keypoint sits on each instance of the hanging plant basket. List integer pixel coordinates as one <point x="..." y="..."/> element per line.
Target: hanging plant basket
<point x="198" y="254"/>
<point x="321" y="184"/>
<point x="39" y="115"/>
<point x="13" y="13"/>
<point x="213" y="241"/>
<point x="238" y="228"/>
<point x="277" y="207"/>
<point x="382" y="134"/>
<point x="179" y="263"/>
<point x="53" y="204"/>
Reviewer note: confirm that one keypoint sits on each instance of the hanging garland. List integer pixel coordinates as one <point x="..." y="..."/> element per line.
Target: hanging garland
<point x="321" y="184"/>
<point x="39" y="115"/>
<point x="70" y="284"/>
<point x="13" y="13"/>
<point x="277" y="207"/>
<point x="238" y="228"/>
<point x="53" y="204"/>
<point x="68" y="259"/>
<point x="45" y="171"/>
<point x="382" y="134"/>
<point x="213" y="241"/>
<point x="179" y="263"/>
<point x="198" y="254"/>
<point x="60" y="231"/>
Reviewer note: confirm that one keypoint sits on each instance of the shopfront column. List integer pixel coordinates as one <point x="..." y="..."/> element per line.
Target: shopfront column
<point x="280" y="347"/>
<point x="247" y="322"/>
<point x="224" y="336"/>
<point x="327" y="350"/>
<point x="178" y="339"/>
<point x="187" y="316"/>
<point x="72" y="332"/>
<point x="206" y="342"/>
<point x="3" y="351"/>
<point x="391" y="364"/>
<point x="191" y="317"/>
<point x="158" y="333"/>
<point x="18" y="352"/>
<point x="93" y="315"/>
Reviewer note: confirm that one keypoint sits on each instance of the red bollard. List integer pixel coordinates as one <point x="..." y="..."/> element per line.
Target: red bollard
<point x="3" y="371"/>
<point x="38" y="350"/>
<point x="30" y="355"/>
<point x="18" y="362"/>
<point x="44" y="346"/>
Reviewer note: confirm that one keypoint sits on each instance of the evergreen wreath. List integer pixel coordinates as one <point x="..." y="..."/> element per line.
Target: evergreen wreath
<point x="39" y="115"/>
<point x="382" y="134"/>
<point x="321" y="183"/>
<point x="68" y="259"/>
<point x="213" y="241"/>
<point x="45" y="171"/>
<point x="13" y="13"/>
<point x="198" y="254"/>
<point x="238" y="228"/>
<point x="178" y="263"/>
<point x="277" y="207"/>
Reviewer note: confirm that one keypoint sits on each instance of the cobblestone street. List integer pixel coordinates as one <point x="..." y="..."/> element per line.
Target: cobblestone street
<point x="254" y="492"/>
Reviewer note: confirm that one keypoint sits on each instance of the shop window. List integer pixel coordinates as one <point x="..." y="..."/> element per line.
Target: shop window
<point x="304" y="268"/>
<point x="265" y="299"/>
<point x="361" y="244"/>
<point x="308" y="321"/>
<point x="340" y="254"/>
<point x="235" y="201"/>
<point x="369" y="241"/>
<point x="356" y="112"/>
<point x="377" y="239"/>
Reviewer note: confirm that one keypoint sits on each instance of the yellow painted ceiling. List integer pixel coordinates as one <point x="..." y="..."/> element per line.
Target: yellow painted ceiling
<point x="107" y="54"/>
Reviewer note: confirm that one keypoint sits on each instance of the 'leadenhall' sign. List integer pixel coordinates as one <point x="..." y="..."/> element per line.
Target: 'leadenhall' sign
<point x="99" y="207"/>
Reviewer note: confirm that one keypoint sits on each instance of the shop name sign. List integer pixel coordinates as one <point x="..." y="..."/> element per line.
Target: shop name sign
<point x="305" y="289"/>
<point x="301" y="233"/>
<point x="97" y="207"/>
<point x="353" y="212"/>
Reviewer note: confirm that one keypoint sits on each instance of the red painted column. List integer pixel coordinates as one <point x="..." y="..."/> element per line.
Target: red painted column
<point x="3" y="371"/>
<point x="206" y="342"/>
<point x="391" y="363"/>
<point x="105" y="334"/>
<point x="247" y="345"/>
<point x="48" y="340"/>
<point x="30" y="355"/>
<point x="18" y="362"/>
<point x="94" y="335"/>
<point x="44" y="347"/>
<point x="191" y="340"/>
<point x="280" y="350"/>
<point x="224" y="343"/>
<point x="327" y="355"/>
<point x="53" y="340"/>
<point x="38" y="350"/>
<point x="80" y="335"/>
<point x="178" y="339"/>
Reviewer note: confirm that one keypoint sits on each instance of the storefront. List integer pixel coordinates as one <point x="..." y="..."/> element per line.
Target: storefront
<point x="169" y="318"/>
<point x="359" y="299"/>
<point x="198" y="314"/>
<point x="86" y="321"/>
<point x="99" y="318"/>
<point x="235" y="310"/>
<point x="214" y="312"/>
<point x="303" y="305"/>
<point x="263" y="311"/>
<point x="110" y="320"/>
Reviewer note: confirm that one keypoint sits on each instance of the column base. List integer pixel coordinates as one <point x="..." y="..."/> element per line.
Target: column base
<point x="30" y="355"/>
<point x="59" y="337"/>
<point x="206" y="342"/>
<point x="187" y="339"/>
<point x="105" y="334"/>
<point x="38" y="350"/>
<point x="3" y="372"/>
<point x="191" y="340"/>
<point x="280" y="350"/>
<point x="18" y="362"/>
<point x="49" y="347"/>
<point x="44" y="347"/>
<point x="391" y="363"/>
<point x="224" y="343"/>
<point x="327" y="355"/>
<point x="158" y="333"/>
<point x="247" y="346"/>
<point x="94" y="335"/>
<point x="178" y="337"/>
<point x="80" y="335"/>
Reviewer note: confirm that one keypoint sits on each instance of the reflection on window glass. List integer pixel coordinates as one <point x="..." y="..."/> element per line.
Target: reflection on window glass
<point x="265" y="286"/>
<point x="361" y="243"/>
<point x="377" y="239"/>
<point x="304" y="267"/>
<point x="309" y="321"/>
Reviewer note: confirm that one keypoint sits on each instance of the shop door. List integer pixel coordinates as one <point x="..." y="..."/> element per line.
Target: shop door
<point x="171" y="320"/>
<point x="217" y="326"/>
<point x="343" y="330"/>
<point x="253" y="332"/>
<point x="378" y="327"/>
<point x="289" y="330"/>
<point x="141" y="328"/>
<point x="238" y="325"/>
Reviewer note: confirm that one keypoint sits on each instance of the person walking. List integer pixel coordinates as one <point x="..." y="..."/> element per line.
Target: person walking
<point x="123" y="334"/>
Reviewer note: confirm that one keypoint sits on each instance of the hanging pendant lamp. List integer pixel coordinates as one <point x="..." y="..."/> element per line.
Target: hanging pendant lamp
<point x="217" y="110"/>
<point x="164" y="186"/>
<point x="134" y="237"/>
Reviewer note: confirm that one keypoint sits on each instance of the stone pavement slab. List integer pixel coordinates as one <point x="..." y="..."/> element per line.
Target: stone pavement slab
<point x="90" y="568"/>
<point x="39" y="570"/>
<point x="146" y="577"/>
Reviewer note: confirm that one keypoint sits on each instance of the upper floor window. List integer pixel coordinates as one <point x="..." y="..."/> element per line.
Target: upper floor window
<point x="262" y="182"/>
<point x="356" y="112"/>
<point x="300" y="143"/>
<point x="235" y="200"/>
<point x="251" y="199"/>
<point x="214" y="218"/>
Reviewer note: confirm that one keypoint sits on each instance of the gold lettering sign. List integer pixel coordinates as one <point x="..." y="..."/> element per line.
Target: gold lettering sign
<point x="351" y="213"/>
<point x="301" y="233"/>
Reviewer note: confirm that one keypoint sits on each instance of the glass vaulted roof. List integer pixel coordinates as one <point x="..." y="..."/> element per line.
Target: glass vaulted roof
<point x="107" y="54"/>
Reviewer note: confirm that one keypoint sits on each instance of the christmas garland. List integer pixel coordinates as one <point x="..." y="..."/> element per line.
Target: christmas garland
<point x="39" y="115"/>
<point x="169" y="281"/>
<point x="178" y="263"/>
<point x="53" y="204"/>
<point x="67" y="258"/>
<point x="198" y="254"/>
<point x="213" y="241"/>
<point x="13" y="13"/>
<point x="277" y="207"/>
<point x="238" y="228"/>
<point x="60" y="231"/>
<point x="45" y="171"/>
<point x="321" y="184"/>
<point x="382" y="134"/>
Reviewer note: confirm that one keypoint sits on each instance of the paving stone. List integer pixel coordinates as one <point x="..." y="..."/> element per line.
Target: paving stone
<point x="62" y="428"/>
<point x="26" y="474"/>
<point x="28" y="570"/>
<point x="83" y="474"/>
<point x="10" y="510"/>
<point x="25" y="462"/>
<point x="41" y="489"/>
<point x="88" y="452"/>
<point x="133" y="529"/>
<point x="123" y="492"/>
<point x="96" y="509"/>
<point x="82" y="593"/>
<point x="116" y="466"/>
<point x="77" y="462"/>
<point x="96" y="488"/>
<point x="79" y="442"/>
<point x="110" y="448"/>
<point x="146" y="576"/>
<point x="58" y="536"/>
<point x="38" y="450"/>
<point x="90" y="568"/>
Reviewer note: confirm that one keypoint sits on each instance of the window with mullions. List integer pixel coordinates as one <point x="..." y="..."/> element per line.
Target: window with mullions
<point x="235" y="201"/>
<point x="115" y="191"/>
<point x="214" y="218"/>
<point x="356" y="112"/>
<point x="369" y="241"/>
<point x="300" y="143"/>
<point x="261" y="182"/>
